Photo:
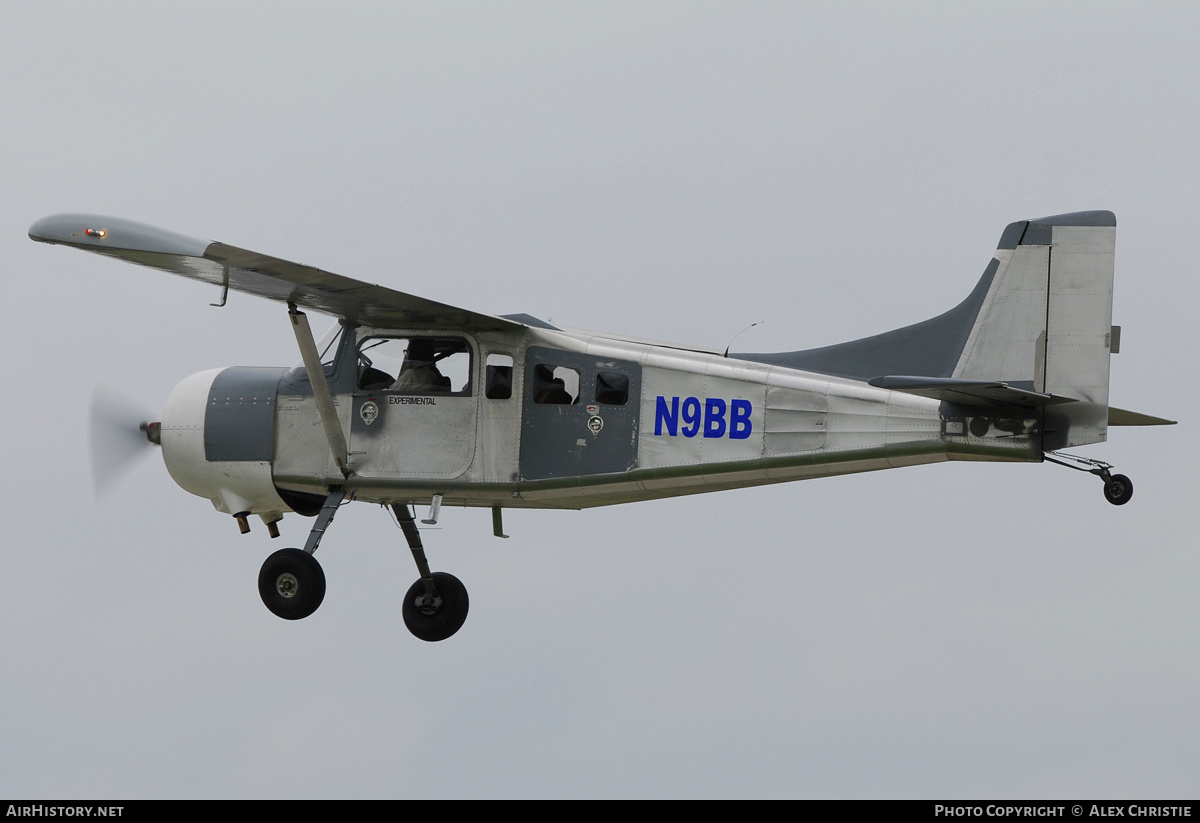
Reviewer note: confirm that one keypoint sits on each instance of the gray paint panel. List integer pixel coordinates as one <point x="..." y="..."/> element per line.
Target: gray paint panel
<point x="570" y="440"/>
<point x="1041" y="230"/>
<point x="1038" y="234"/>
<point x="102" y="234"/>
<point x="1012" y="235"/>
<point x="239" y="423"/>
<point x="1079" y="218"/>
<point x="930" y="348"/>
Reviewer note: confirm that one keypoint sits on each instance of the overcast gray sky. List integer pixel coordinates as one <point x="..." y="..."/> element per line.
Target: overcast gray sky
<point x="671" y="170"/>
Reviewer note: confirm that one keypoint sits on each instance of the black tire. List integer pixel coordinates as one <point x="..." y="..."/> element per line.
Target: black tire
<point x="1118" y="490"/>
<point x="436" y="621"/>
<point x="291" y="584"/>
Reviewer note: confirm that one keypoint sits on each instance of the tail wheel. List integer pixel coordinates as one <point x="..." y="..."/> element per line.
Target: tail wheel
<point x="291" y="584"/>
<point x="438" y="616"/>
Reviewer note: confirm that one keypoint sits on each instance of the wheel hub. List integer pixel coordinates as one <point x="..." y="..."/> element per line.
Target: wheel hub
<point x="287" y="585"/>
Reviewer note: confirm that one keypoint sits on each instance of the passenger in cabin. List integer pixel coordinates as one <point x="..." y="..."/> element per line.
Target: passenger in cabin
<point x="555" y="394"/>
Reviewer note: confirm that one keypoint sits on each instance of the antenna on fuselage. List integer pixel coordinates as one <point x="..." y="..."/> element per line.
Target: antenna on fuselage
<point x="739" y="334"/>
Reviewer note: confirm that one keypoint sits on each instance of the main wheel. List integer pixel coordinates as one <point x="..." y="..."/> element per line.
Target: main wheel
<point x="439" y="617"/>
<point x="1118" y="490"/>
<point x="291" y="584"/>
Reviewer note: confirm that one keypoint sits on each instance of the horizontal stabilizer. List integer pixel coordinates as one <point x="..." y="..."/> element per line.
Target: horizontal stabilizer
<point x="968" y="392"/>
<point x="1121" y="417"/>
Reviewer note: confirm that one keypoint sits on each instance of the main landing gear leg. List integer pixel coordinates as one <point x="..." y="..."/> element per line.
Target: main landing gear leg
<point x="1118" y="489"/>
<point x="291" y="582"/>
<point x="435" y="607"/>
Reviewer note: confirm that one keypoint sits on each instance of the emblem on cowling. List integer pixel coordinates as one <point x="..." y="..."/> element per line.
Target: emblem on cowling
<point x="369" y="412"/>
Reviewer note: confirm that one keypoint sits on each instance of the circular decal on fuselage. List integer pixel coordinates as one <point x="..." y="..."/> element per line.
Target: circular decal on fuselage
<point x="369" y="412"/>
<point x="595" y="424"/>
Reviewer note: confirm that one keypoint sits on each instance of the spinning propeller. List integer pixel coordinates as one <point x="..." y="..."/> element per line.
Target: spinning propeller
<point x="120" y="434"/>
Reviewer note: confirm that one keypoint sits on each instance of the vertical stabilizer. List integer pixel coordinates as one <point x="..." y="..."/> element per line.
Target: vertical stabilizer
<point x="1047" y="319"/>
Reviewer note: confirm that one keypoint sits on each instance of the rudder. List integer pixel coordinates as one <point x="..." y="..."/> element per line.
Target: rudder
<point x="1046" y="321"/>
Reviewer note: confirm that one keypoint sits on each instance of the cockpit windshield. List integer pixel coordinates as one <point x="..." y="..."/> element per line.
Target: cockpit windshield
<point x="327" y="346"/>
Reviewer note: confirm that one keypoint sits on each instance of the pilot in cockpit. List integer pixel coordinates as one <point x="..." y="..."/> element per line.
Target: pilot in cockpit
<point x="420" y="372"/>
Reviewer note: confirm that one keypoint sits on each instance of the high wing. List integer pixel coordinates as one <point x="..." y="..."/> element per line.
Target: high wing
<point x="247" y="271"/>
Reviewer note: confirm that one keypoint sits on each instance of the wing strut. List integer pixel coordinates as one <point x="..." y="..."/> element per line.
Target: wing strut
<point x="320" y="386"/>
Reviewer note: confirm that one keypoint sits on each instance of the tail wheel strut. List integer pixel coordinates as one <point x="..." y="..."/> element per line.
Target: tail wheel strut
<point x="1118" y="489"/>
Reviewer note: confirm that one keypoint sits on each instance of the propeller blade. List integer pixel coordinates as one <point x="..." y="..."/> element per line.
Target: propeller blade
<point x="115" y="441"/>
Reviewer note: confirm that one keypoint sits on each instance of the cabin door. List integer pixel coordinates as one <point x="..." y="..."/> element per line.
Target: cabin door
<point x="414" y="407"/>
<point x="580" y="415"/>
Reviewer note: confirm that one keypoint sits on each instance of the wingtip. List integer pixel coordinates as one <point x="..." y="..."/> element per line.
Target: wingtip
<point x="41" y="230"/>
<point x="97" y="232"/>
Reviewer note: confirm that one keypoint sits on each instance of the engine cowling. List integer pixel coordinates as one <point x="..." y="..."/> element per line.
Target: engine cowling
<point x="217" y="439"/>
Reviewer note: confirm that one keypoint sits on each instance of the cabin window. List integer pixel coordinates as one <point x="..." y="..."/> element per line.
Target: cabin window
<point x="415" y="365"/>
<point x="612" y="388"/>
<point x="555" y="385"/>
<point x="498" y="381"/>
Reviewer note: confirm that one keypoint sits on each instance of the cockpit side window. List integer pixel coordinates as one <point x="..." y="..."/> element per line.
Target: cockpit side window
<point x="415" y="365"/>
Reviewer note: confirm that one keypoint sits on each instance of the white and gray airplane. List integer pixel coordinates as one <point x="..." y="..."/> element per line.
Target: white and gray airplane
<point x="409" y="402"/>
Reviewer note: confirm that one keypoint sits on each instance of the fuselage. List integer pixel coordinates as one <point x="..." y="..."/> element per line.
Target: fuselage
<point x="551" y="418"/>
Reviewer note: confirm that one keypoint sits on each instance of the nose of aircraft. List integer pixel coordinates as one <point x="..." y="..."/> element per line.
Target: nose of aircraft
<point x="181" y="433"/>
<point x="217" y="436"/>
